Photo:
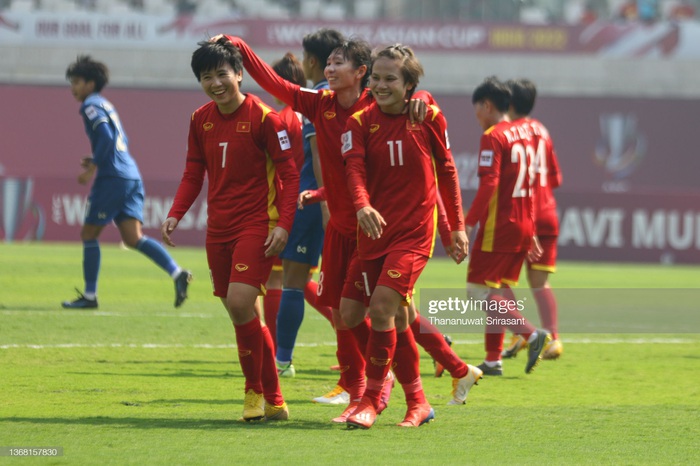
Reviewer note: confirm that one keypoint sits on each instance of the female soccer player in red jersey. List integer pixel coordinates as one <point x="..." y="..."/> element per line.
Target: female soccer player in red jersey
<point x="241" y="145"/>
<point x="329" y="109"/>
<point x="391" y="167"/>
<point x="504" y="210"/>
<point x="547" y="177"/>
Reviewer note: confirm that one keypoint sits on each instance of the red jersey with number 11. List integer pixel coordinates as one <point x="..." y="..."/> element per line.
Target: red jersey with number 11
<point x="391" y="164"/>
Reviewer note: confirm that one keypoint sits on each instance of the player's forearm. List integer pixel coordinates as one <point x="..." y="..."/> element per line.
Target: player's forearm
<point x="262" y="73"/>
<point x="187" y="191"/>
<point x="288" y="202"/>
<point x="451" y="194"/>
<point x="356" y="176"/>
<point x="487" y="188"/>
<point x="443" y="223"/>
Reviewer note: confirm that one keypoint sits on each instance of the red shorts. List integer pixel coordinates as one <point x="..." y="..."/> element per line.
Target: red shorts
<point x="338" y="253"/>
<point x="398" y="270"/>
<point x="548" y="261"/>
<point x="239" y="261"/>
<point x="494" y="269"/>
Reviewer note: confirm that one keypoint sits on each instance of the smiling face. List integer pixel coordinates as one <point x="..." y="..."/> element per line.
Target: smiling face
<point x="341" y="73"/>
<point x="222" y="85"/>
<point x="388" y="85"/>
<point x="81" y="88"/>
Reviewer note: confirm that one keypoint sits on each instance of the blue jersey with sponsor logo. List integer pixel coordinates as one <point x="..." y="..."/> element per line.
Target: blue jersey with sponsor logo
<point x="307" y="179"/>
<point x="110" y="146"/>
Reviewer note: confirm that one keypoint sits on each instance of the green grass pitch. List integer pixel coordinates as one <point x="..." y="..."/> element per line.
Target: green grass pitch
<point x="139" y="382"/>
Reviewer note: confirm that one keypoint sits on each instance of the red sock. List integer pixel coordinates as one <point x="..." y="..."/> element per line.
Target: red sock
<point x="380" y="352"/>
<point x="361" y="334"/>
<point x="311" y="297"/>
<point x="507" y="309"/>
<point x="432" y="341"/>
<point x="270" y="381"/>
<point x="352" y="364"/>
<point x="547" y="308"/>
<point x="406" y="367"/>
<point x="493" y="343"/>
<point x="249" y="338"/>
<point x="271" y="306"/>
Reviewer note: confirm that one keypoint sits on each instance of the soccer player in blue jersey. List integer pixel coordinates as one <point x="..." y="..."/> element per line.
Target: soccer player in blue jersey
<point x="117" y="193"/>
<point x="306" y="238"/>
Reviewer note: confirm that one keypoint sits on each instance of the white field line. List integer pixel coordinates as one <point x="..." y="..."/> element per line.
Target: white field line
<point x="583" y="341"/>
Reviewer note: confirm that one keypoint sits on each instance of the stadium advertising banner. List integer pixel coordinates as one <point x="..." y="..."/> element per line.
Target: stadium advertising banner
<point x="609" y="39"/>
<point x="630" y="190"/>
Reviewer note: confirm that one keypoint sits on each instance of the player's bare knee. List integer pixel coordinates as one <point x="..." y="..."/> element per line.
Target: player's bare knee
<point x="476" y="291"/>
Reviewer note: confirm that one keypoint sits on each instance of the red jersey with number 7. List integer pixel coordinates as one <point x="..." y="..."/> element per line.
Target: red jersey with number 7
<point x="503" y="204"/>
<point x="241" y="153"/>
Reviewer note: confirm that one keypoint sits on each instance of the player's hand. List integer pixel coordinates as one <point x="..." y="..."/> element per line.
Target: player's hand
<point x="310" y="196"/>
<point x="416" y="110"/>
<point x="276" y="241"/>
<point x="535" y="251"/>
<point x="167" y="228"/>
<point x="86" y="162"/>
<point x="216" y="38"/>
<point x="459" y="246"/>
<point x="84" y="177"/>
<point x="371" y="222"/>
<point x="325" y="215"/>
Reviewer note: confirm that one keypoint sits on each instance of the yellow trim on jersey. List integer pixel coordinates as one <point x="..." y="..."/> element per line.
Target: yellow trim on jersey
<point x="277" y="268"/>
<point x="265" y="110"/>
<point x="326" y="93"/>
<point x="509" y="282"/>
<point x="491" y="284"/>
<point x="357" y="115"/>
<point x="272" y="212"/>
<point x="436" y="110"/>
<point x="490" y="224"/>
<point x="435" y="209"/>
<point x="488" y="131"/>
<point x="544" y="268"/>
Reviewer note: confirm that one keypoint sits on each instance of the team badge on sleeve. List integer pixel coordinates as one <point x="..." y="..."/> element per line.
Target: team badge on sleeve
<point x="91" y="112"/>
<point x="346" y="141"/>
<point x="486" y="158"/>
<point x="447" y="140"/>
<point x="284" y="140"/>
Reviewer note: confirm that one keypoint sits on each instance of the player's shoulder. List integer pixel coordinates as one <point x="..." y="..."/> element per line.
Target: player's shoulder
<point x="95" y="104"/>
<point x="204" y="111"/>
<point x="539" y="128"/>
<point x="365" y="113"/>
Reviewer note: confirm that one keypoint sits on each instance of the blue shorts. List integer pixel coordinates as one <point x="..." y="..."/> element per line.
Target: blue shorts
<point x="114" y="199"/>
<point x="306" y="238"/>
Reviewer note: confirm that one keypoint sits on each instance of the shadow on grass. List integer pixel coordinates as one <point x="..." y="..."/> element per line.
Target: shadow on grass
<point x="165" y="423"/>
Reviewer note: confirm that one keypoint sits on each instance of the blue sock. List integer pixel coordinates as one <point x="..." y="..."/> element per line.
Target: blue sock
<point x="91" y="266"/>
<point x="158" y="254"/>
<point x="289" y="319"/>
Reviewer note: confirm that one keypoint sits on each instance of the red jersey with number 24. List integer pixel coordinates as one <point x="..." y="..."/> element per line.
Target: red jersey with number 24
<point x="503" y="203"/>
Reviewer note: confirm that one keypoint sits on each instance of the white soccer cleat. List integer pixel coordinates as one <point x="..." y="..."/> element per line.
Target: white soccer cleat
<point x="337" y="396"/>
<point x="461" y="387"/>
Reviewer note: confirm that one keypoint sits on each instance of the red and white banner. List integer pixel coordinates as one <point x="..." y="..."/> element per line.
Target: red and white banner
<point x="602" y="38"/>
